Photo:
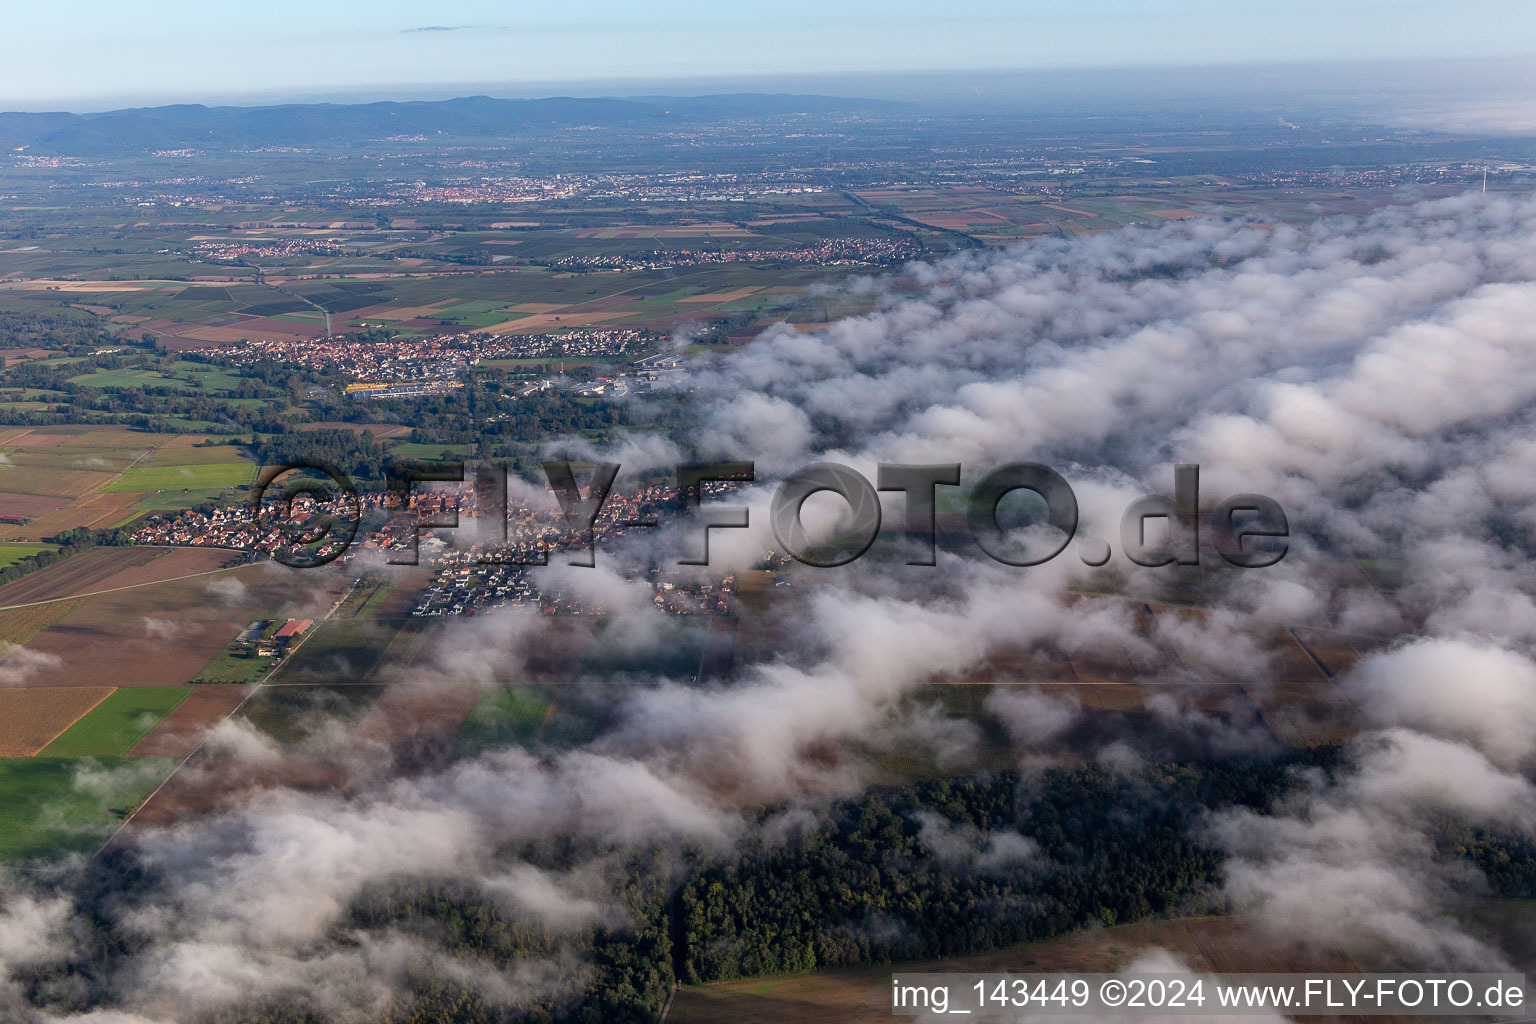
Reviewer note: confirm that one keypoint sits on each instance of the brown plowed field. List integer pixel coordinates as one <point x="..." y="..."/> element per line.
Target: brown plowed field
<point x="31" y="716"/>
<point x="132" y="652"/>
<point x="108" y="438"/>
<point x="115" y="501"/>
<point x="730" y="296"/>
<point x="35" y="439"/>
<point x="33" y="479"/>
<point x="156" y="635"/>
<point x="179" y="733"/>
<point x="206" y="785"/>
<point x="261" y="328"/>
<point x="419" y="721"/>
<point x="109" y="568"/>
<point x="98" y="512"/>
<point x="16" y="503"/>
<point x="63" y="519"/>
<point x="185" y="441"/>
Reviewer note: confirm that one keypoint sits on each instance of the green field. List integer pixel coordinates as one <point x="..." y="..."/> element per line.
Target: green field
<point x="229" y="667"/>
<point x="49" y="806"/>
<point x="10" y="554"/>
<point x="373" y="602"/>
<point x="127" y="378"/>
<point x="428" y="452"/>
<point x="115" y="725"/>
<point x="207" y="476"/>
<point x="172" y="501"/>
<point x="505" y="715"/>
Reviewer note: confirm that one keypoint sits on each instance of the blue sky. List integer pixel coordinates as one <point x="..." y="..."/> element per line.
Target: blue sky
<point x="91" y="54"/>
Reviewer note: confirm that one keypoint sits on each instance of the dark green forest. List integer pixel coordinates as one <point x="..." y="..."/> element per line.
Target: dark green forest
<point x="858" y="884"/>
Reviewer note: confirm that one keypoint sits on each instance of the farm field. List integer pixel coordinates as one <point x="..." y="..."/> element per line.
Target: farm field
<point x="863" y="995"/>
<point x="200" y="476"/>
<point x="338" y="651"/>
<point x="375" y="599"/>
<point x="506" y="715"/>
<point x="160" y="634"/>
<point x="10" y="554"/>
<point x="179" y="733"/>
<point x="228" y="667"/>
<point x="18" y="625"/>
<point x="998" y="217"/>
<point x="95" y="512"/>
<point x="55" y="805"/>
<point x="289" y="714"/>
<point x="128" y="653"/>
<point x="43" y="479"/>
<point x="31" y="506"/>
<point x="243" y="591"/>
<point x="63" y="477"/>
<point x="176" y="499"/>
<point x="184" y="376"/>
<point x="32" y="717"/>
<point x="420" y="721"/>
<point x="425" y="295"/>
<point x="410" y="450"/>
<point x="116" y="725"/>
<point x="107" y="568"/>
<point x="185" y="450"/>
<point x="65" y="458"/>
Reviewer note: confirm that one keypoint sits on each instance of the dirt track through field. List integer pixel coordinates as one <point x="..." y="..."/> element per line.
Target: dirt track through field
<point x="114" y="590"/>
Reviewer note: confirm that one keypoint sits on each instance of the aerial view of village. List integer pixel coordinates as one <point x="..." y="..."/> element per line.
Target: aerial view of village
<point x="709" y="550"/>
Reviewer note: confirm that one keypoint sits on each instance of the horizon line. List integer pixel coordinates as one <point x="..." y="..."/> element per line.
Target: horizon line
<point x="584" y="88"/>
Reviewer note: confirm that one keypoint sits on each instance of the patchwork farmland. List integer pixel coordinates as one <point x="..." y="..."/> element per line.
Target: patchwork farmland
<point x="33" y="717"/>
<point x="116" y="724"/>
<point x="56" y="479"/>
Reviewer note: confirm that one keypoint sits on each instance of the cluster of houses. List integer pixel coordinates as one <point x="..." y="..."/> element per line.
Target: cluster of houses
<point x="829" y="252"/>
<point x="437" y="357"/>
<point x="227" y="526"/>
<point x="465" y="586"/>
<point x="468" y="579"/>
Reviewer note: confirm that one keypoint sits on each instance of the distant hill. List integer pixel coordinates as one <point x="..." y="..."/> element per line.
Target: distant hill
<point x="193" y="126"/>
